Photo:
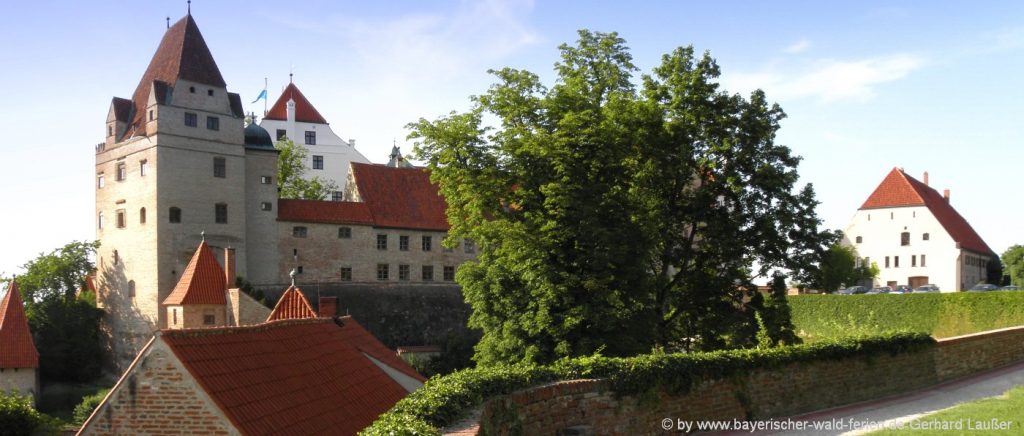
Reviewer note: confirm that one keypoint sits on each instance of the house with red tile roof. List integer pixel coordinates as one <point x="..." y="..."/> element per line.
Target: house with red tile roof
<point x="202" y="297"/>
<point x="19" y="359"/>
<point x="291" y="376"/>
<point x="915" y="237"/>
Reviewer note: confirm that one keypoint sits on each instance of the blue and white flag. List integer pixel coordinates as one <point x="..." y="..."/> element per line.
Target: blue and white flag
<point x="262" y="96"/>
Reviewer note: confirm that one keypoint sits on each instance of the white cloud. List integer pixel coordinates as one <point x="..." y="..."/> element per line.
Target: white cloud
<point x="798" y="47"/>
<point x="828" y="79"/>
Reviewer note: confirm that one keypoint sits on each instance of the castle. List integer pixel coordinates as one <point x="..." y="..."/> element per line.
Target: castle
<point x="179" y="161"/>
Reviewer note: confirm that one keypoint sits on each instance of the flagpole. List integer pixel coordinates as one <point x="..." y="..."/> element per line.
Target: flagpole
<point x="264" y="98"/>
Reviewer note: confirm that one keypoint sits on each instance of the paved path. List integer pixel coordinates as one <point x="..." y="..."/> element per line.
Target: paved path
<point x="907" y="407"/>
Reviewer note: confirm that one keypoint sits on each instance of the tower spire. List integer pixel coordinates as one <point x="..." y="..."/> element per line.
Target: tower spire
<point x="189" y="7"/>
<point x="168" y="21"/>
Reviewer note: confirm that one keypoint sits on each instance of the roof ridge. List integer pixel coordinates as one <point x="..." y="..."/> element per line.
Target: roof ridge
<point x="305" y="112"/>
<point x="224" y="330"/>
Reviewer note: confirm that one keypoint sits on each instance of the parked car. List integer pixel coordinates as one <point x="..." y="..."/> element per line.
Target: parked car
<point x="983" y="287"/>
<point x="926" y="288"/>
<point x="853" y="290"/>
<point x="880" y="290"/>
<point x="902" y="289"/>
<point x="1009" y="288"/>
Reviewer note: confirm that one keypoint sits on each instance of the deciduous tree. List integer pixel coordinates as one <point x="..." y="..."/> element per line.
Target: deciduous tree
<point x="291" y="167"/>
<point x="1013" y="264"/>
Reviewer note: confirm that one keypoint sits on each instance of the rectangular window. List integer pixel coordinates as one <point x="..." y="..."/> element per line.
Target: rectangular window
<point x="428" y="243"/>
<point x="346" y="274"/>
<point x="122" y="171"/>
<point x="403" y="243"/>
<point x="100" y="182"/>
<point x="151" y="114"/>
<point x="310" y="137"/>
<point x="212" y="123"/>
<point x="344" y="232"/>
<point x="266" y="206"/>
<point x="266" y="180"/>
<point x="382" y="242"/>
<point x="886" y="261"/>
<point x="905" y="238"/>
<point x="220" y="213"/>
<point x="913" y="260"/>
<point x="209" y="318"/>
<point x="428" y="273"/>
<point x="143" y="168"/>
<point x="220" y="167"/>
<point x="403" y="273"/>
<point x="318" y="162"/>
<point x="174" y="215"/>
<point x="922" y="261"/>
<point x="121" y="221"/>
<point x="382" y="271"/>
<point x="281" y="134"/>
<point x="896" y="262"/>
<point x="468" y="246"/>
<point x="924" y="237"/>
<point x="191" y="119"/>
<point x="299" y="231"/>
<point x="336" y="196"/>
<point x="449" y="273"/>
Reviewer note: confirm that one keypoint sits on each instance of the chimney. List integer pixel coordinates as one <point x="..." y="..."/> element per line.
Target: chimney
<point x="926" y="178"/>
<point x="945" y="194"/>
<point x="229" y="267"/>
<point x="328" y="307"/>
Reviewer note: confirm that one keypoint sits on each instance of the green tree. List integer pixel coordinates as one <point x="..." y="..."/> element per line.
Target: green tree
<point x="1013" y="264"/>
<point x="17" y="416"/>
<point x="610" y="219"/>
<point x="65" y="326"/>
<point x="291" y="168"/>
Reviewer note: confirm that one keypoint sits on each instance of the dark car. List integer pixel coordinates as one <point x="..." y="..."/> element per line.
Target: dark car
<point x="1009" y="288"/>
<point x="983" y="287"/>
<point x="926" y="288"/>
<point x="902" y="289"/>
<point x="853" y="290"/>
<point x="880" y="290"/>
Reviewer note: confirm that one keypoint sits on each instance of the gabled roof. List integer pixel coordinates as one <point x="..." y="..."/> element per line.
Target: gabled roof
<point x="202" y="281"/>
<point x="292" y="305"/>
<point x="304" y="110"/>
<point x="901" y="190"/>
<point x="289" y="377"/>
<point x="400" y="197"/>
<point x="324" y="212"/>
<point x="16" y="347"/>
<point x="182" y="54"/>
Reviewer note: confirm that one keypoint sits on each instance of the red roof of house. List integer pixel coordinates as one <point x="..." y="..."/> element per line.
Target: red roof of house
<point x="16" y="347"/>
<point x="202" y="281"/>
<point x="325" y="212"/>
<point x="182" y="54"/>
<point x="400" y="197"/>
<point x="304" y="110"/>
<point x="292" y="305"/>
<point x="306" y="376"/>
<point x="901" y="190"/>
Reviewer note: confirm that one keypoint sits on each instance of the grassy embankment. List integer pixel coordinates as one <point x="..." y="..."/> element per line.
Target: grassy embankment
<point x="997" y="415"/>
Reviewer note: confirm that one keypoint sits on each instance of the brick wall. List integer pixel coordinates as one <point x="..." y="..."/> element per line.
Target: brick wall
<point x="591" y="405"/>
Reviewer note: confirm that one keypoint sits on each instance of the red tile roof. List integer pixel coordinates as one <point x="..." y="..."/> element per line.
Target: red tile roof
<point x="16" y="347"/>
<point x="182" y="54"/>
<point x="304" y="110"/>
<point x="292" y="305"/>
<point x="900" y="190"/>
<point x="360" y="338"/>
<point x="288" y="377"/>
<point x="400" y="197"/>
<point x="324" y="212"/>
<point x="202" y="281"/>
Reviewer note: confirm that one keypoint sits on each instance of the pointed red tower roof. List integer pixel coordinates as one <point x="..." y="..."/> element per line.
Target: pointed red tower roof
<point x="901" y="190"/>
<point x="202" y="282"/>
<point x="182" y="54"/>
<point x="292" y="305"/>
<point x="304" y="110"/>
<point x="16" y="347"/>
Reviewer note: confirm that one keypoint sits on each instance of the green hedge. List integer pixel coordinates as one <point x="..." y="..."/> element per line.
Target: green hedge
<point x="943" y="315"/>
<point x="445" y="400"/>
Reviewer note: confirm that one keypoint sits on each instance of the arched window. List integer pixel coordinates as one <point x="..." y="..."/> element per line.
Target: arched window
<point x="142" y="216"/>
<point x="174" y="215"/>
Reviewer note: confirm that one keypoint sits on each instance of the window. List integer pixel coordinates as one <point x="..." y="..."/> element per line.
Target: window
<point x="403" y="273"/>
<point x="922" y="261"/>
<point x="449" y="273"/>
<point x="895" y="261"/>
<point x="212" y="123"/>
<point x="403" y="243"/>
<point x="143" y="168"/>
<point x="905" y="238"/>
<point x="468" y="246"/>
<point x="886" y="261"/>
<point x="110" y="130"/>
<point x="299" y="231"/>
<point x="209" y="92"/>
<point x="266" y="206"/>
<point x="209" y="318"/>
<point x="191" y="119"/>
<point x="310" y="137"/>
<point x="174" y="215"/>
<point x="142" y="216"/>
<point x="174" y="314"/>
<point x="318" y="162"/>
<point x="924" y="237"/>
<point x="892" y="215"/>
<point x="99" y="221"/>
<point x="336" y="196"/>
<point x="344" y="233"/>
<point x="220" y="213"/>
<point x="220" y="167"/>
<point x="298" y="270"/>
<point x="867" y="262"/>
<point x="860" y="239"/>
<point x="117" y="258"/>
<point x="131" y="288"/>
<point x="121" y="221"/>
<point x="428" y="242"/>
<point x="100" y="182"/>
<point x="151" y="114"/>
<point x="913" y="260"/>
<point x="281" y="134"/>
<point x="382" y="271"/>
<point x="346" y="274"/>
<point x="122" y="171"/>
<point x="192" y="89"/>
<point x="428" y="273"/>
<point x="382" y="242"/>
<point x="265" y="180"/>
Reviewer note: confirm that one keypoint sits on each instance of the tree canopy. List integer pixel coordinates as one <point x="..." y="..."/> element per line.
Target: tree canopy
<point x="291" y="167"/>
<point x="1013" y="264"/>
<point x="839" y="267"/>
<point x="614" y="218"/>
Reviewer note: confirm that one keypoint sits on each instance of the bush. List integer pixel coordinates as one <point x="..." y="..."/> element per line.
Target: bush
<point x="88" y="404"/>
<point x="17" y="417"/>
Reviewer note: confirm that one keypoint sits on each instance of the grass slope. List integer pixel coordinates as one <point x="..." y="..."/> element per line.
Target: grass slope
<point x="998" y="415"/>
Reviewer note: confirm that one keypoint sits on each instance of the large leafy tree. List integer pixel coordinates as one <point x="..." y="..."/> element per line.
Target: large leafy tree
<point x="1013" y="264"/>
<point x="614" y="219"/>
<point x="291" y="169"/>
<point x="839" y="267"/>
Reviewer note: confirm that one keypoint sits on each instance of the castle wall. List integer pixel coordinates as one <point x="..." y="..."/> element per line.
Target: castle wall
<point x="23" y="380"/>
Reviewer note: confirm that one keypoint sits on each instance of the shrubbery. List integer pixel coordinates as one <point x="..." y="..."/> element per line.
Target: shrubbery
<point x="88" y="404"/>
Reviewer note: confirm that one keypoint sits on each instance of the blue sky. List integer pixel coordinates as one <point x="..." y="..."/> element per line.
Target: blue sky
<point x="927" y="86"/>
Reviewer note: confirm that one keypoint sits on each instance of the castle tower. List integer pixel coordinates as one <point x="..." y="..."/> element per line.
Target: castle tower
<point x="200" y="297"/>
<point x="173" y="165"/>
